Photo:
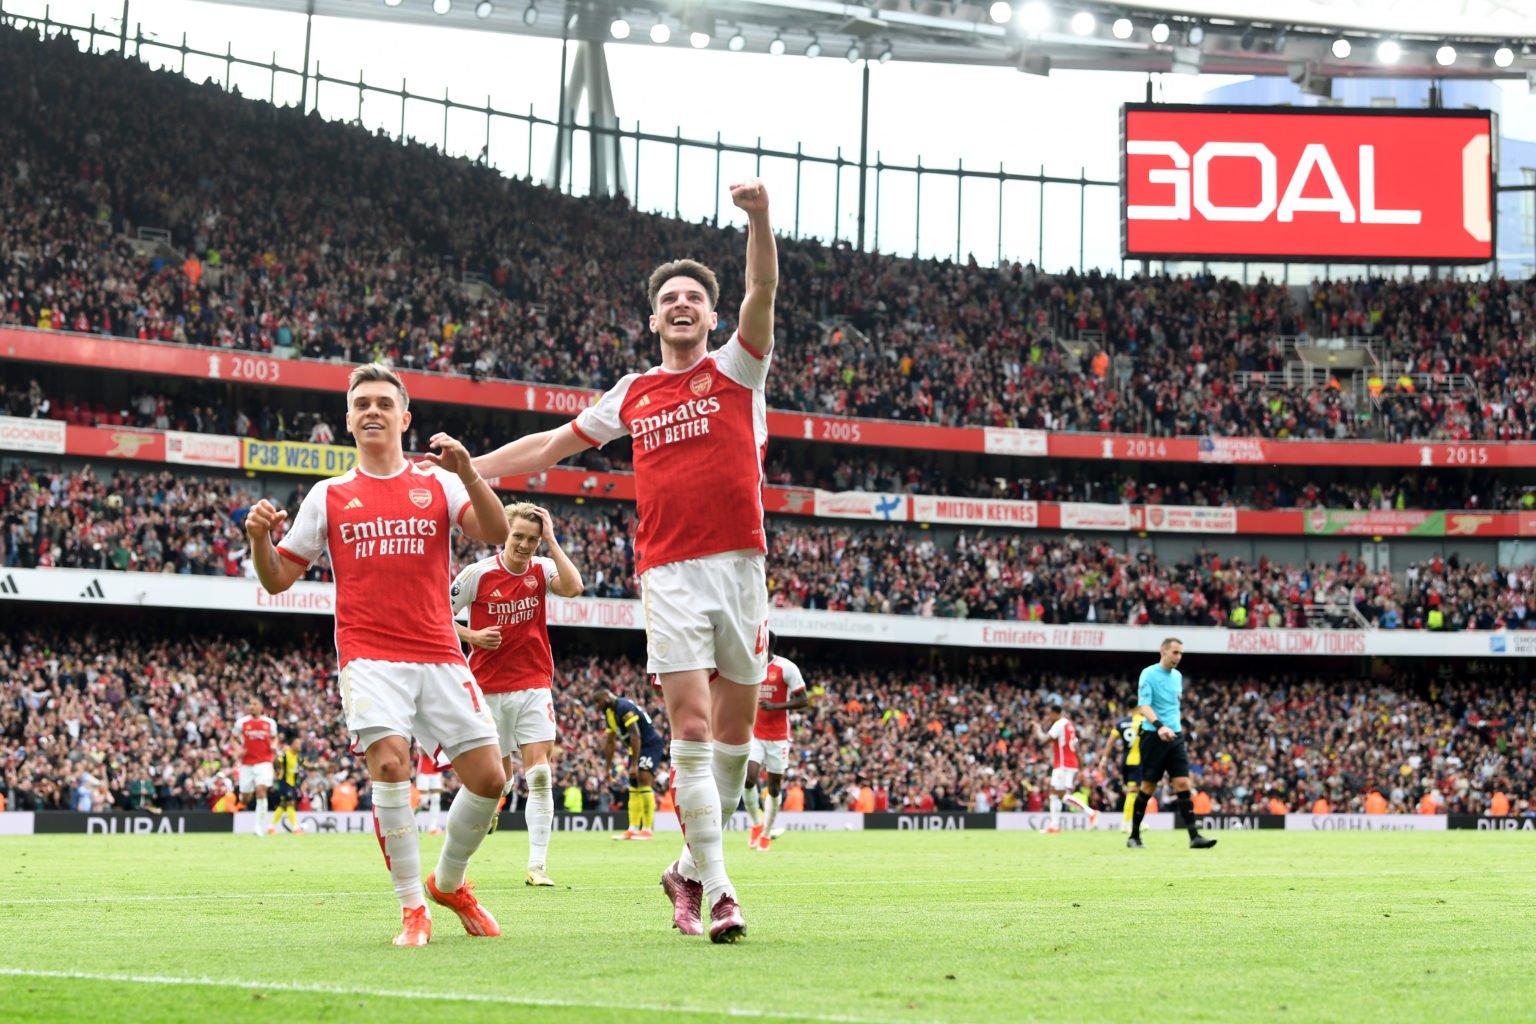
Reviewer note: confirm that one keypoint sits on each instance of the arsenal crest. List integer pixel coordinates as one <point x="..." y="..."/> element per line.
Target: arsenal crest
<point x="701" y="383"/>
<point x="530" y="582"/>
<point x="1156" y="516"/>
<point x="421" y="497"/>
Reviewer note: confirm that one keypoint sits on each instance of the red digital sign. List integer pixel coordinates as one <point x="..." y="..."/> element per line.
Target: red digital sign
<point x="1322" y="184"/>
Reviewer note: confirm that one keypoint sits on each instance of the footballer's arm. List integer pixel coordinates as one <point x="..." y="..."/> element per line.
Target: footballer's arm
<point x="568" y="581"/>
<point x="756" y="323"/>
<point x="276" y="573"/>
<point x="532" y="453"/>
<point x="484" y="519"/>
<point x="634" y="754"/>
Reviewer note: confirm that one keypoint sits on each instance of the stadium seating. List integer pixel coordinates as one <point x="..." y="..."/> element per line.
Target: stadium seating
<point x="291" y="235"/>
<point x="174" y="522"/>
<point x="96" y="711"/>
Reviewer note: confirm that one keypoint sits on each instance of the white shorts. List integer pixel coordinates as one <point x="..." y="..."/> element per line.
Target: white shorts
<point x="522" y="717"/>
<point x="440" y="705"/>
<point x="773" y="755"/>
<point x="1064" y="779"/>
<point x="253" y="775"/>
<point x="429" y="782"/>
<point x="708" y="612"/>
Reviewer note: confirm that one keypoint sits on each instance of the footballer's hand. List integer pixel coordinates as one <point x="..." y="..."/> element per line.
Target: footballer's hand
<point x="452" y="456"/>
<point x="546" y="524"/>
<point x="634" y="778"/>
<point x="262" y="519"/>
<point x="750" y="195"/>
<point x="487" y="639"/>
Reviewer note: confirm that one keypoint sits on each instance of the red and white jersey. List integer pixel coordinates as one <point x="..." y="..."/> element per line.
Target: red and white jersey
<point x="426" y="766"/>
<point x="514" y="603"/>
<point x="256" y="734"/>
<point x="699" y="437"/>
<point x="1063" y="736"/>
<point x="782" y="682"/>
<point x="389" y="543"/>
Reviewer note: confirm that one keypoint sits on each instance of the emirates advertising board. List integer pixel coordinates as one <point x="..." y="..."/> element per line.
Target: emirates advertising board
<point x="1318" y="184"/>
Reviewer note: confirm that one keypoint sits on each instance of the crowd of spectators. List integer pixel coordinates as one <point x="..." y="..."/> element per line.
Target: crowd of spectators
<point x="101" y="719"/>
<point x="169" y="522"/>
<point x="198" y="410"/>
<point x="294" y="235"/>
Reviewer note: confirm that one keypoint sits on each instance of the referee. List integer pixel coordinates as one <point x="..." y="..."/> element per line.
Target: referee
<point x="1162" y="744"/>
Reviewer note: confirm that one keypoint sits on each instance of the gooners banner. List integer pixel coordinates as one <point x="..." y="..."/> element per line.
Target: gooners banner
<point x="1328" y="183"/>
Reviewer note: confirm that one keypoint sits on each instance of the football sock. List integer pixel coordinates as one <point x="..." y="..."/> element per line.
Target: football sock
<point x="1055" y="811"/>
<point x="730" y="768"/>
<point x="261" y="813"/>
<point x="276" y="816"/>
<point x="1130" y="804"/>
<point x="754" y="812"/>
<point x="698" y="809"/>
<point x="509" y="795"/>
<point x="1186" y="804"/>
<point x="770" y="811"/>
<point x="648" y="805"/>
<point x="1138" y="813"/>
<point x="469" y="819"/>
<point x="293" y="819"/>
<point x="1076" y="804"/>
<point x="540" y="814"/>
<point x="636" y="809"/>
<point x="395" y="826"/>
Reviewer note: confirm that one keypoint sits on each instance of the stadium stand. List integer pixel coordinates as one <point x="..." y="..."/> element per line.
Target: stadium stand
<point x="368" y="260"/>
<point x="119" y="718"/>
<point x="438" y="265"/>
<point x="174" y="522"/>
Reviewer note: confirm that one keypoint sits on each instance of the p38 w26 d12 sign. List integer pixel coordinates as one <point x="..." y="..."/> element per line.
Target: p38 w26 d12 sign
<point x="1284" y="184"/>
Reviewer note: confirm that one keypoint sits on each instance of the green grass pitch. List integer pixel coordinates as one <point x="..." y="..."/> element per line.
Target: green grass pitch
<point x="894" y="926"/>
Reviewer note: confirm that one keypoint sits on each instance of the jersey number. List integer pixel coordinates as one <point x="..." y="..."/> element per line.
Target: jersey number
<point x="474" y="695"/>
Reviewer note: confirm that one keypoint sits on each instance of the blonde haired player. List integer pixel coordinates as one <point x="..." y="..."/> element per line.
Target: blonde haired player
<point x="510" y="655"/>
<point x="699" y="424"/>
<point x="386" y="526"/>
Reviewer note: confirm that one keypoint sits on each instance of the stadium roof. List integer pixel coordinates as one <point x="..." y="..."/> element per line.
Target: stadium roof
<point x="1241" y="37"/>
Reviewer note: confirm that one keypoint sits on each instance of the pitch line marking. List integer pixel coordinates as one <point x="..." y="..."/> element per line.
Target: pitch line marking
<point x="641" y="887"/>
<point x="445" y="997"/>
